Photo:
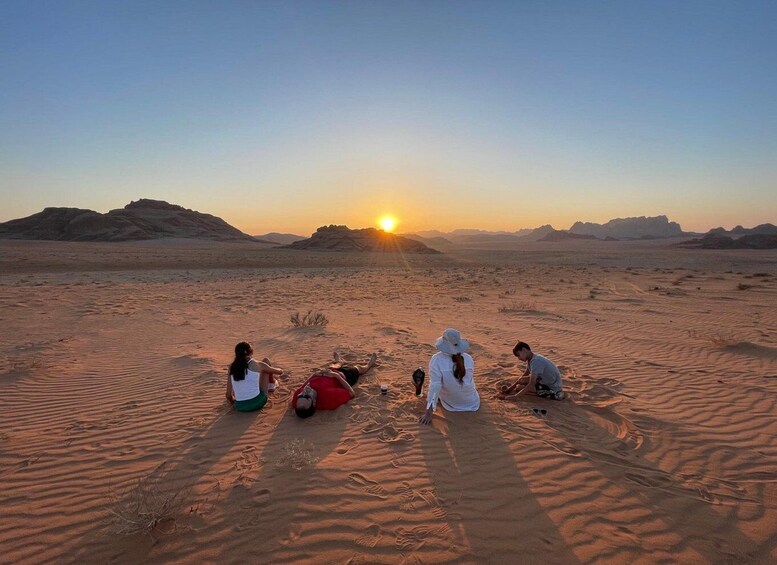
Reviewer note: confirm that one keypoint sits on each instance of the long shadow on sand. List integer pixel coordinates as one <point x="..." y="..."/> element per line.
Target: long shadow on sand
<point x="674" y="496"/>
<point x="494" y="516"/>
<point x="179" y="472"/>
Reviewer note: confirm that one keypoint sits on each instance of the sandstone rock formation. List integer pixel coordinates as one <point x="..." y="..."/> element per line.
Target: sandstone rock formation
<point x="630" y="228"/>
<point x="140" y="220"/>
<point x="341" y="238"/>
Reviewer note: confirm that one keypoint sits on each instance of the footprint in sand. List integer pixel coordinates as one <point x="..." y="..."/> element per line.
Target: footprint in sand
<point x="414" y="538"/>
<point x="372" y="488"/>
<point x="370" y="537"/>
<point x="399" y="462"/>
<point x="389" y="434"/>
<point x="346" y="446"/>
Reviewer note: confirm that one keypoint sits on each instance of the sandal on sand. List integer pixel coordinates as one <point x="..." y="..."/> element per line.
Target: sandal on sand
<point x="539" y="412"/>
<point x="418" y="380"/>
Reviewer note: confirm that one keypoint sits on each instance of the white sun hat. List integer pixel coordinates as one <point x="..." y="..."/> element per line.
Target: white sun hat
<point x="451" y="342"/>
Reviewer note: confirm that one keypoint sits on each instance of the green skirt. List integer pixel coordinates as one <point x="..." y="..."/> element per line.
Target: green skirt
<point x="255" y="403"/>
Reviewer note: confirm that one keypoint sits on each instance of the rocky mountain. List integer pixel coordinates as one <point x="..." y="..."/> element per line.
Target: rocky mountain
<point x="280" y="238"/>
<point x="750" y="241"/>
<point x="563" y="235"/>
<point x="630" y="228"/>
<point x="140" y="220"/>
<point x="341" y="238"/>
<point x="739" y="231"/>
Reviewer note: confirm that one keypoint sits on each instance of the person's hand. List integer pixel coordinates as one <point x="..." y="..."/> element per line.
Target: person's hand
<point x="426" y="419"/>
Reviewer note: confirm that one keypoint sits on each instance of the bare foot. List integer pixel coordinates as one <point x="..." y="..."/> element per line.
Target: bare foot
<point x="372" y="361"/>
<point x="337" y="357"/>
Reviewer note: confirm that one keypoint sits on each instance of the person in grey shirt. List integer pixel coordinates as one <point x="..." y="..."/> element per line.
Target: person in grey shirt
<point x="541" y="377"/>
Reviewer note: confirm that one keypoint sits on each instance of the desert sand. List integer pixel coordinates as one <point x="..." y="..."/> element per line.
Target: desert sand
<point x="112" y="377"/>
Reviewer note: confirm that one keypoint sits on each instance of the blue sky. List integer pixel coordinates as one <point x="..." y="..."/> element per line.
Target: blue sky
<point x="283" y="116"/>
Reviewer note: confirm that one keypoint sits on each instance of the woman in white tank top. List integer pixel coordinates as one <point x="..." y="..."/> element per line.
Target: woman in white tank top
<point x="249" y="381"/>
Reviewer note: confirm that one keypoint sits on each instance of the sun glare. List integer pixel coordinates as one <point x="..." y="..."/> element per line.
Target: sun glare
<point x="387" y="223"/>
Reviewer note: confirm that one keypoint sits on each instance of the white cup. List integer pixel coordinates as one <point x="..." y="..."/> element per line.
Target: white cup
<point x="383" y="388"/>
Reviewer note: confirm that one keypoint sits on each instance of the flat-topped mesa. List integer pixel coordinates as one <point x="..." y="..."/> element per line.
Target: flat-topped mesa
<point x="149" y="204"/>
<point x="641" y="227"/>
<point x="342" y="238"/>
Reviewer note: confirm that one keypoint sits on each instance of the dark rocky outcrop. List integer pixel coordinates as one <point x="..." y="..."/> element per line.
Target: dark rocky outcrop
<point x="630" y="228"/>
<point x="715" y="241"/>
<point x="140" y="220"/>
<point x="563" y="235"/>
<point x="739" y="231"/>
<point x="280" y="238"/>
<point x="341" y="238"/>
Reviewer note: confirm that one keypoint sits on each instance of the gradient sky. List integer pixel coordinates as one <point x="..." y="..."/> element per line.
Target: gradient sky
<point x="283" y="116"/>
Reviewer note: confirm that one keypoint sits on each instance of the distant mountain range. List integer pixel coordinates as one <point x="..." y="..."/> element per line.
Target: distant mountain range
<point x="280" y="238"/>
<point x="141" y="220"/>
<point x="641" y="227"/>
<point x="341" y="238"/>
<point x="155" y="219"/>
<point x="763" y="236"/>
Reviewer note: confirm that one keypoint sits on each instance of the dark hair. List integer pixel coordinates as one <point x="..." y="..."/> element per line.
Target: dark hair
<point x="305" y="412"/>
<point x="239" y="366"/>
<point x="520" y="345"/>
<point x="459" y="370"/>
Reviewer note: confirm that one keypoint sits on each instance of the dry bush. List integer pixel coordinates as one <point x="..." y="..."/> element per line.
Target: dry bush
<point x="518" y="307"/>
<point x="296" y="455"/>
<point x="145" y="507"/>
<point x="462" y="298"/>
<point x="743" y="286"/>
<point x="717" y="339"/>
<point x="310" y="319"/>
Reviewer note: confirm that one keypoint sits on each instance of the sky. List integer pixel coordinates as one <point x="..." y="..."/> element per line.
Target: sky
<point x="284" y="116"/>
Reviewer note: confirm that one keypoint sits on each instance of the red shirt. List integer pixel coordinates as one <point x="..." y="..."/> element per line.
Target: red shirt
<point x="331" y="393"/>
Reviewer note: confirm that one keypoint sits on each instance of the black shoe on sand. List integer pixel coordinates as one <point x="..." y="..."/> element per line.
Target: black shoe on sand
<point x="418" y="380"/>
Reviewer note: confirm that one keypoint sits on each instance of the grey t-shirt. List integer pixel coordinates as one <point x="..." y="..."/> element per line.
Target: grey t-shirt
<point x="545" y="372"/>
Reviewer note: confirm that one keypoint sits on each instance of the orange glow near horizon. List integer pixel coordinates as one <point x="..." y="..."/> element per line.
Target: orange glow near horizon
<point x="388" y="223"/>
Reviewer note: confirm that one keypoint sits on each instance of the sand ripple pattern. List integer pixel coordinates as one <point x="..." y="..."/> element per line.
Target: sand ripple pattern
<point x="663" y="452"/>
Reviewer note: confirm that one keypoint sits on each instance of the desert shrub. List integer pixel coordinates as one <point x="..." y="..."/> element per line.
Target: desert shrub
<point x="145" y="507"/>
<point x="518" y="307"/>
<point x="296" y="455"/>
<point x="743" y="286"/>
<point x="308" y="320"/>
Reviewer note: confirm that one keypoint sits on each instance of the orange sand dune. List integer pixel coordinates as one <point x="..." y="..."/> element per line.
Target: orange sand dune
<point x="113" y="371"/>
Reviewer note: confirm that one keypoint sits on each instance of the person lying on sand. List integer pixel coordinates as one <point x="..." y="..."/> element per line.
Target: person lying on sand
<point x="541" y="377"/>
<point x="330" y="388"/>
<point x="451" y="377"/>
<point x="249" y="381"/>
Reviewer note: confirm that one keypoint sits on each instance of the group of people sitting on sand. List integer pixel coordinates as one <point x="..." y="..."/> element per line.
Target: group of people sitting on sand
<point x="451" y="380"/>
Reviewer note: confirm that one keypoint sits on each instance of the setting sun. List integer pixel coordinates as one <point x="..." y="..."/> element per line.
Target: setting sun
<point x="387" y="223"/>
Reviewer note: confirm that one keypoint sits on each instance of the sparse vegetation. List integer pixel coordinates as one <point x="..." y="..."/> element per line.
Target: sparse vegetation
<point x="296" y="455"/>
<point x="309" y="319"/>
<point x="717" y="339"/>
<point x="743" y="286"/>
<point x="462" y="298"/>
<point x="145" y="507"/>
<point x="518" y="307"/>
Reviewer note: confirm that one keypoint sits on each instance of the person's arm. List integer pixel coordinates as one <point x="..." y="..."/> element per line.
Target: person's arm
<point x="530" y="387"/>
<point x="435" y="384"/>
<point x="230" y="393"/>
<point x="337" y="375"/>
<point x="262" y="367"/>
<point x="507" y="390"/>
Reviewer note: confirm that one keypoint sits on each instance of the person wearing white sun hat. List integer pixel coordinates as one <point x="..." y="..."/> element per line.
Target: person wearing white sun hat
<point x="451" y="377"/>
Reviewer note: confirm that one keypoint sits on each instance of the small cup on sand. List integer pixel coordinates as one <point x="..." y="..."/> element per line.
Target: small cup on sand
<point x="383" y="388"/>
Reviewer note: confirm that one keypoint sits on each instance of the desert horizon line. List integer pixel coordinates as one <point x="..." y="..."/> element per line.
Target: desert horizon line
<point x="471" y="230"/>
